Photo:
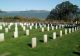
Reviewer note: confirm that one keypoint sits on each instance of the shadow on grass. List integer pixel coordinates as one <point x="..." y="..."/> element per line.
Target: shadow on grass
<point x="77" y="53"/>
<point x="57" y="35"/>
<point x="29" y="44"/>
<point x="12" y="36"/>
<point x="50" y="38"/>
<point x="41" y="40"/>
<point x="24" y="33"/>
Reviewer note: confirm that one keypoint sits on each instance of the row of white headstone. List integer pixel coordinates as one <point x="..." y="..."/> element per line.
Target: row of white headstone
<point x="15" y="32"/>
<point x="36" y="25"/>
<point x="27" y="32"/>
<point x="33" y="24"/>
<point x="24" y="28"/>
<point x="45" y="37"/>
<point x="48" y="28"/>
<point x="30" y="25"/>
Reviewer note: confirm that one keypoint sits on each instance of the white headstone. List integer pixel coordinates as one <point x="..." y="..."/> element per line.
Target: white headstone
<point x="45" y="38"/>
<point x="69" y="30"/>
<point x="1" y="37"/>
<point x="44" y="25"/>
<point x="48" y="25"/>
<point x="4" y="24"/>
<point x="32" y="24"/>
<point x="24" y="28"/>
<point x="52" y="27"/>
<point x="60" y="33"/>
<point x="16" y="27"/>
<point x="30" y="27"/>
<point x="6" y="30"/>
<point x="75" y="28"/>
<point x="0" y="27"/>
<point x="36" y="26"/>
<point x="76" y="22"/>
<point x="72" y="29"/>
<point x="34" y="42"/>
<point x="60" y="26"/>
<point x="48" y="28"/>
<point x="56" y="27"/>
<point x="40" y="26"/>
<point x="42" y="29"/>
<point x="16" y="34"/>
<point x="54" y="35"/>
<point x="65" y="31"/>
<point x="9" y="26"/>
<point x="27" y="32"/>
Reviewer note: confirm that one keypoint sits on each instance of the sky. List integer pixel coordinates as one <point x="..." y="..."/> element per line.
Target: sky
<point x="22" y="5"/>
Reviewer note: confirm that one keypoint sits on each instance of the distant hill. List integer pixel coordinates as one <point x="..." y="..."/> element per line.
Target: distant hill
<point x="30" y="13"/>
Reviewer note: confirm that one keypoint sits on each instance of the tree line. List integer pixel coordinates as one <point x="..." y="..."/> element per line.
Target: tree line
<point x="18" y="19"/>
<point x="65" y="11"/>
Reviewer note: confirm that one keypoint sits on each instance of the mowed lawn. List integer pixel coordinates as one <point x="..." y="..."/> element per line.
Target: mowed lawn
<point x="21" y="46"/>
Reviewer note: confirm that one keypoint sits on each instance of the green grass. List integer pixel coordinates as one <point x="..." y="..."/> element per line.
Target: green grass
<point x="62" y="46"/>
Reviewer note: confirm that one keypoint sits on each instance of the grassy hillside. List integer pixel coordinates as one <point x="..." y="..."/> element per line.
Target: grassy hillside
<point x="62" y="46"/>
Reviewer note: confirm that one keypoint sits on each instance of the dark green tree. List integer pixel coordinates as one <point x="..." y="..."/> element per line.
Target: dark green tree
<point x="63" y="11"/>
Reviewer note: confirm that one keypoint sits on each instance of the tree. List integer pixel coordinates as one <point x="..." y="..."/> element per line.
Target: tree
<point x="63" y="11"/>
